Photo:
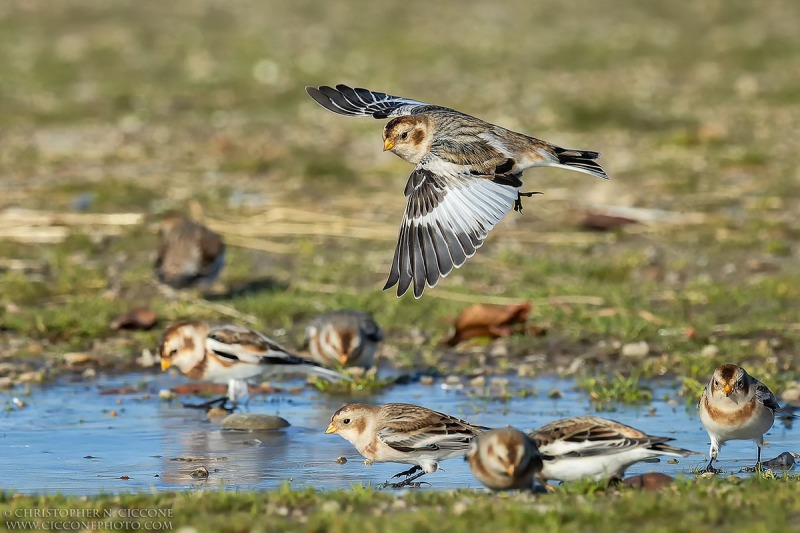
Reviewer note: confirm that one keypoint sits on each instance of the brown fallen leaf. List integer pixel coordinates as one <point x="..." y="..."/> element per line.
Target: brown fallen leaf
<point x="651" y="481"/>
<point x="489" y="320"/>
<point x="594" y="221"/>
<point x="139" y="318"/>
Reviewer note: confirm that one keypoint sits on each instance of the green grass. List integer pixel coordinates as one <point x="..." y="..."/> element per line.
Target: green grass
<point x="758" y="504"/>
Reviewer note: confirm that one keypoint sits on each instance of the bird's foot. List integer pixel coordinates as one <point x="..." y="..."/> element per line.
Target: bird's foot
<point x="752" y="469"/>
<point x="710" y="470"/>
<point x="408" y="481"/>
<point x="518" y="201"/>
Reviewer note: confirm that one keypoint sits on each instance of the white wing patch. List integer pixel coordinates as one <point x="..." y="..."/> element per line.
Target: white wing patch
<point x="449" y="214"/>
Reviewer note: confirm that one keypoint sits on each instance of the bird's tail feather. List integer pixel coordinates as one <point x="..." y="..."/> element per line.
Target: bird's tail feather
<point x="326" y="374"/>
<point x="580" y="160"/>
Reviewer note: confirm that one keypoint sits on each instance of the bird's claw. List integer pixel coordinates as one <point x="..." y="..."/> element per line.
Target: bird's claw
<point x="518" y="201"/>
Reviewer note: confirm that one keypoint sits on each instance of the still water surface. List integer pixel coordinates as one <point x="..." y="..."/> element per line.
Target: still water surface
<point x="65" y="439"/>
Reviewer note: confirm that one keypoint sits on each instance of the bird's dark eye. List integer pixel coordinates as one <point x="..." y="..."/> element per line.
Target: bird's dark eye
<point x="346" y="421"/>
<point x="173" y="352"/>
<point x="716" y="383"/>
<point x="740" y="384"/>
<point x="404" y="135"/>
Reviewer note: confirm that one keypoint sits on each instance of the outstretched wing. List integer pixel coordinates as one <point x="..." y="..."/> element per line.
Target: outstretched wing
<point x="450" y="212"/>
<point x="356" y="102"/>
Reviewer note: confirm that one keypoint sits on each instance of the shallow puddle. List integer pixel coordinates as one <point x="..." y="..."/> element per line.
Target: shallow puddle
<point x="66" y="439"/>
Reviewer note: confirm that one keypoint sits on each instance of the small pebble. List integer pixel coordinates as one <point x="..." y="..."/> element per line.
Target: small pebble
<point x="652" y="481"/>
<point x="555" y="394"/>
<point x="216" y="413"/>
<point x="635" y="349"/>
<point x="672" y="461"/>
<point x="200" y="472"/>
<point x="477" y="382"/>
<point x="89" y="373"/>
<point x="331" y="506"/>
<point x="709" y="351"/>
<point x="426" y="380"/>
<point x="341" y="460"/>
<point x="253" y="422"/>
<point x="166" y="395"/>
<point x="77" y="358"/>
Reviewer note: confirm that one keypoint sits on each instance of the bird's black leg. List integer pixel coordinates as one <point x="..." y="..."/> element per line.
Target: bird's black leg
<point x="518" y="201"/>
<point x="757" y="467"/>
<point x="216" y="402"/>
<point x="710" y="469"/>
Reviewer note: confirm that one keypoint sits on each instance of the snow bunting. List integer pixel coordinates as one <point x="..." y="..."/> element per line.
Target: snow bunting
<point x="230" y="354"/>
<point x="467" y="177"/>
<point x="736" y="406"/>
<point x="504" y="459"/>
<point x="403" y="433"/>
<point x="347" y="338"/>
<point x="188" y="253"/>
<point x="596" y="448"/>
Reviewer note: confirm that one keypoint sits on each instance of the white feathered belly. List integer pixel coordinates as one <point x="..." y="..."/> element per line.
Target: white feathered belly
<point x="751" y="428"/>
<point x="596" y="467"/>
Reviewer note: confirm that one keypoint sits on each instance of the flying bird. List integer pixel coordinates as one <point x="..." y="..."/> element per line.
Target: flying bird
<point x="231" y="354"/>
<point x="467" y="177"/>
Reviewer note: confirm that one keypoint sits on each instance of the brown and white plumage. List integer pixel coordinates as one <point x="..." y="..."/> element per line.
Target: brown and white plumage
<point x="231" y="354"/>
<point x="596" y="448"/>
<point x="736" y="406"/>
<point x="504" y="459"/>
<point x="188" y="252"/>
<point x="403" y="433"/>
<point x="467" y="177"/>
<point x="344" y="337"/>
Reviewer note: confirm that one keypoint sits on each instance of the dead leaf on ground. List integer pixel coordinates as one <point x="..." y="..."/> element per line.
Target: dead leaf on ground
<point x="490" y="320"/>
<point x="139" y="318"/>
<point x="594" y="221"/>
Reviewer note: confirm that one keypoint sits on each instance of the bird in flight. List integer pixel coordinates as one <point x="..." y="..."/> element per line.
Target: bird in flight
<point x="467" y="177"/>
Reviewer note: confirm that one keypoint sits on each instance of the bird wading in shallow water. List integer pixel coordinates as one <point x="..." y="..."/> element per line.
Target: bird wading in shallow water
<point x="467" y="177"/>
<point x="596" y="448"/>
<point x="230" y="354"/>
<point x="345" y="337"/>
<point x="403" y="433"/>
<point x="736" y="406"/>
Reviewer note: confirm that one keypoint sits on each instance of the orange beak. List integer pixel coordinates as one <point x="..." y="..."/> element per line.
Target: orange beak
<point x="388" y="144"/>
<point x="727" y="389"/>
<point x="165" y="364"/>
<point x="343" y="359"/>
<point x="511" y="470"/>
<point x="331" y="429"/>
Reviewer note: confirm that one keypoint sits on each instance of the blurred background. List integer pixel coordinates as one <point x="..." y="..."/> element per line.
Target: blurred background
<point x="115" y="112"/>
